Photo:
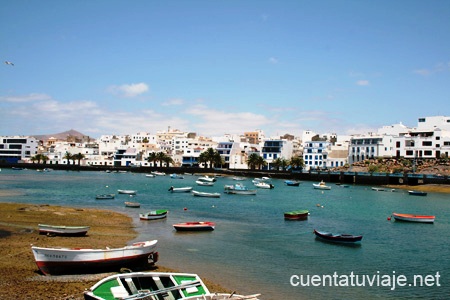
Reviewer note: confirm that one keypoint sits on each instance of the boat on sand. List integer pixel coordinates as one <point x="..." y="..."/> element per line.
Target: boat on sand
<point x="63" y="230"/>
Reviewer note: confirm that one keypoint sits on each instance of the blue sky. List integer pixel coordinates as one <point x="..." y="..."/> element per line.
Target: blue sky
<point x="216" y="67"/>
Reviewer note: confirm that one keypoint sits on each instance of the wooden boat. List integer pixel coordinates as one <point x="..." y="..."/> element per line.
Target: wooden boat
<point x="413" y="218"/>
<point x="127" y="192"/>
<point x="338" y="238"/>
<point x="321" y="186"/>
<point x="205" y="194"/>
<point x="292" y="183"/>
<point x="105" y="196"/>
<point x="194" y="226"/>
<point x="59" y="261"/>
<point x="238" y="189"/>
<point x="417" y="193"/>
<point x="264" y="185"/>
<point x="158" y="173"/>
<point x="63" y="230"/>
<point x="148" y="285"/>
<point x="185" y="189"/>
<point x="132" y="204"/>
<point x="154" y="214"/>
<point x="297" y="215"/>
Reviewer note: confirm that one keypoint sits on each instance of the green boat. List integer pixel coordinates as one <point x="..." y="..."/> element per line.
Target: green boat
<point x="147" y="285"/>
<point x="297" y="215"/>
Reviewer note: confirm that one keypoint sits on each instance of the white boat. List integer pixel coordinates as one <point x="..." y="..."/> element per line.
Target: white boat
<point x="264" y="185"/>
<point x="185" y="189"/>
<point x="63" y="230"/>
<point x="413" y="218"/>
<point x="237" y="178"/>
<point x="205" y="194"/>
<point x="176" y="176"/>
<point x="262" y="179"/>
<point x="127" y="192"/>
<point x="158" y="173"/>
<point x="321" y="186"/>
<point x="132" y="204"/>
<point x="238" y="189"/>
<point x="59" y="261"/>
<point x="150" y="175"/>
<point x="154" y="214"/>
<point x="207" y="178"/>
<point x="378" y="189"/>
<point x="105" y="196"/>
<point x="148" y="285"/>
<point x="204" y="183"/>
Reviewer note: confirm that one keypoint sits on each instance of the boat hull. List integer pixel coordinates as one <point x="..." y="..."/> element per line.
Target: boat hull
<point x="417" y="193"/>
<point x="61" y="261"/>
<point x="413" y="218"/>
<point x="127" y="192"/>
<point x="296" y="215"/>
<point x="339" y="238"/>
<point x="207" y="195"/>
<point x="186" y="189"/>
<point x="63" y="230"/>
<point x="194" y="226"/>
<point x="161" y="214"/>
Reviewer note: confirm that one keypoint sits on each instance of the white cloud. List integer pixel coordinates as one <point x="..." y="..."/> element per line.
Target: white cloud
<point x="129" y="90"/>
<point x="362" y="82"/>
<point x="172" y="102"/>
<point x="439" y="67"/>
<point x="26" y="98"/>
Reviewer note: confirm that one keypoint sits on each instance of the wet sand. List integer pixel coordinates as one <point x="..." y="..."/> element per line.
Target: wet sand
<point x="431" y="188"/>
<point x="20" y="277"/>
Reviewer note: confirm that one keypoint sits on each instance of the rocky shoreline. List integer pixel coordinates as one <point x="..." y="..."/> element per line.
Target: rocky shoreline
<point x="21" y="278"/>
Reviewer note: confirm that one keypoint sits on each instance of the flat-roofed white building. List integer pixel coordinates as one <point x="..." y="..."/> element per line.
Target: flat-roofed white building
<point x="13" y="149"/>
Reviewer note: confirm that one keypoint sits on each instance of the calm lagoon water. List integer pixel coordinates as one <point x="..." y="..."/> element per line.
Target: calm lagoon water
<point x="254" y="250"/>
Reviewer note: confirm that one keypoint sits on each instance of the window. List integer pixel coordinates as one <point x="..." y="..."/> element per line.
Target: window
<point x="398" y="144"/>
<point x="427" y="143"/>
<point x="427" y="153"/>
<point x="421" y="120"/>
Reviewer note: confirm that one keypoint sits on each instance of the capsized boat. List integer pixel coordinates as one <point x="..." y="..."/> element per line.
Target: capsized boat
<point x="338" y="238"/>
<point x="297" y="215"/>
<point x="413" y="218"/>
<point x="63" y="230"/>
<point x="61" y="261"/>
<point x="154" y="214"/>
<point x="195" y="226"/>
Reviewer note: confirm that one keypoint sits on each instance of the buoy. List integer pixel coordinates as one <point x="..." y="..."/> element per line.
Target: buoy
<point x="185" y="208"/>
<point x="107" y="186"/>
<point x="389" y="218"/>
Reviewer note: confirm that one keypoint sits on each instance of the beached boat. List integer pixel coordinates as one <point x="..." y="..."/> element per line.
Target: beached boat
<point x="147" y="285"/>
<point x="238" y="189"/>
<point x="292" y="183"/>
<point x="338" y="238"/>
<point x="63" y="230"/>
<point x="413" y="218"/>
<point x="185" y="189"/>
<point x="59" y="261"/>
<point x="417" y="193"/>
<point x="205" y="194"/>
<point x="105" y="196"/>
<point x="264" y="185"/>
<point x="297" y="215"/>
<point x="132" y="204"/>
<point x="321" y="186"/>
<point x="194" y="226"/>
<point x="154" y="214"/>
<point x="127" y="192"/>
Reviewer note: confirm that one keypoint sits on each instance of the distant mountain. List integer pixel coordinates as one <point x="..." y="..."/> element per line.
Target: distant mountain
<point x="70" y="135"/>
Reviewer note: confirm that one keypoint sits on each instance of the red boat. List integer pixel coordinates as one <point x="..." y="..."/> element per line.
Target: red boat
<point x="195" y="226"/>
<point x="413" y="218"/>
<point x="338" y="238"/>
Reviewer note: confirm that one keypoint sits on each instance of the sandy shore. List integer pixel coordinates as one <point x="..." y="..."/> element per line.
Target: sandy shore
<point x="431" y="188"/>
<point x="20" y="277"/>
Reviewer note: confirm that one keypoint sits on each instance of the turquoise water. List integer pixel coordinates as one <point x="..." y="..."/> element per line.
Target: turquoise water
<point x="254" y="250"/>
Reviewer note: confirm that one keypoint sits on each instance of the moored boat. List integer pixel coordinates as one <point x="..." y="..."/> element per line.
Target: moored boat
<point x="176" y="176"/>
<point x="195" y="226"/>
<point x="238" y="189"/>
<point x="413" y="218"/>
<point x="157" y="173"/>
<point x="292" y="183"/>
<point x="417" y="193"/>
<point x="185" y="189"/>
<point x="63" y="230"/>
<point x="132" y="204"/>
<point x="264" y="185"/>
<point x="207" y="178"/>
<point x="321" y="186"/>
<point x="60" y="261"/>
<point x="105" y="196"/>
<point x="297" y="215"/>
<point x="205" y="194"/>
<point x="154" y="214"/>
<point x="338" y="238"/>
<point x="127" y="192"/>
<point x="204" y="183"/>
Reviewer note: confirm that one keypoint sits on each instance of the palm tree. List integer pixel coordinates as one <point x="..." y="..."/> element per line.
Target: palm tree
<point x="252" y="160"/>
<point x="297" y="162"/>
<point x="161" y="157"/>
<point x="78" y="157"/>
<point x="152" y="157"/>
<point x="261" y="162"/>
<point x="68" y="156"/>
<point x="168" y="160"/>
<point x="211" y="157"/>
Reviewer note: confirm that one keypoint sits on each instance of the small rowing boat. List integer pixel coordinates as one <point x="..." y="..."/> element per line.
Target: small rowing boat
<point x="154" y="214"/>
<point x="63" y="230"/>
<point x="413" y="218"/>
<point x="338" y="238"/>
<point x="195" y="226"/>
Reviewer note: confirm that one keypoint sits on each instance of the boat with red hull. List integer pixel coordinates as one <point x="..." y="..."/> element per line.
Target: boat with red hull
<point x="61" y="261"/>
<point x="338" y="238"/>
<point x="413" y="218"/>
<point x="195" y="226"/>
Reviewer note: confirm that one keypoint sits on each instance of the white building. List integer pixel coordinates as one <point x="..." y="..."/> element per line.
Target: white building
<point x="16" y="148"/>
